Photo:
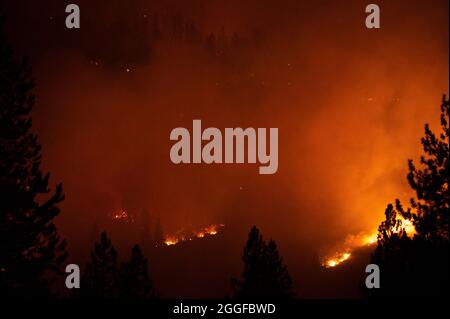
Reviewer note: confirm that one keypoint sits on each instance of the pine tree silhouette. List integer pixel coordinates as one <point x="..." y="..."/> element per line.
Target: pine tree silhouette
<point x="264" y="275"/>
<point x="222" y="43"/>
<point x="135" y="282"/>
<point x="158" y="238"/>
<point x="236" y="42"/>
<point x="31" y="250"/>
<point x="419" y="266"/>
<point x="146" y="239"/>
<point x="100" y="278"/>
<point x="278" y="275"/>
<point x="431" y="209"/>
<point x="211" y="45"/>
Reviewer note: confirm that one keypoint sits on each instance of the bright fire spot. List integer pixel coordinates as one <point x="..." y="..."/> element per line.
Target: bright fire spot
<point x="201" y="233"/>
<point x="370" y="239"/>
<point x="352" y="242"/>
<point x="340" y="258"/>
<point x="121" y="215"/>
<point x="169" y="241"/>
<point x="409" y="227"/>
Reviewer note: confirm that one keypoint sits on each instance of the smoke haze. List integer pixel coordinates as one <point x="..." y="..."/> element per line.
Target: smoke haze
<point x="350" y="105"/>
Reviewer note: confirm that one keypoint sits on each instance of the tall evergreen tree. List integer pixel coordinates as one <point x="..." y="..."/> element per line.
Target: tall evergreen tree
<point x="146" y="239"/>
<point x="135" y="282"/>
<point x="158" y="238"/>
<point x="222" y="43"/>
<point x="211" y="44"/>
<point x="418" y="266"/>
<point x="279" y="281"/>
<point x="264" y="276"/>
<point x="100" y="278"/>
<point x="430" y="211"/>
<point x="31" y="250"/>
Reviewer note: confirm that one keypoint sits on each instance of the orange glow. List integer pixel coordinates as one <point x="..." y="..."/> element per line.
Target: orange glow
<point x="211" y="230"/>
<point x="336" y="260"/>
<point x="370" y="239"/>
<point x="169" y="241"/>
<point x="121" y="215"/>
<point x="353" y="242"/>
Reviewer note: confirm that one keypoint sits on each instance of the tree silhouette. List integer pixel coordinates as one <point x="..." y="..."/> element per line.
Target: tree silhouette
<point x="158" y="238"/>
<point x="193" y="35"/>
<point x="431" y="208"/>
<point x="135" y="282"/>
<point x="103" y="279"/>
<point x="30" y="249"/>
<point x="211" y="45"/>
<point x="145" y="234"/>
<point x="264" y="276"/>
<point x="418" y="266"/>
<point x="100" y="278"/>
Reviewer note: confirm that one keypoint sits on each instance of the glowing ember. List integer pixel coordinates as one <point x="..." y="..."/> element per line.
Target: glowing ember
<point x="352" y="242"/>
<point x="121" y="215"/>
<point x="201" y="233"/>
<point x="337" y="260"/>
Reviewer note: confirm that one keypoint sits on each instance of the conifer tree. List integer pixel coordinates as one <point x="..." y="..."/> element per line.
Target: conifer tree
<point x="31" y="250"/>
<point x="135" y="282"/>
<point x="264" y="276"/>
<point x="418" y="265"/>
<point x="278" y="275"/>
<point x="100" y="278"/>
<point x="431" y="210"/>
<point x="146" y="239"/>
<point x="158" y="238"/>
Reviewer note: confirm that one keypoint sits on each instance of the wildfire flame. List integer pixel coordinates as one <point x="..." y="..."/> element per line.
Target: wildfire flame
<point x="340" y="258"/>
<point x="211" y="230"/>
<point x="121" y="215"/>
<point x="352" y="242"/>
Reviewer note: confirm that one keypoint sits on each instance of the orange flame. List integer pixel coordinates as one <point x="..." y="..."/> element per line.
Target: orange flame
<point x="170" y="240"/>
<point x="211" y="230"/>
<point x="120" y="215"/>
<point x="352" y="242"/>
<point x="338" y="259"/>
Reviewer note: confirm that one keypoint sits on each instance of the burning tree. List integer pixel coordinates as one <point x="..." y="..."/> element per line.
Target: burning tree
<point x="264" y="276"/>
<point x="30" y="248"/>
<point x="419" y="265"/>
